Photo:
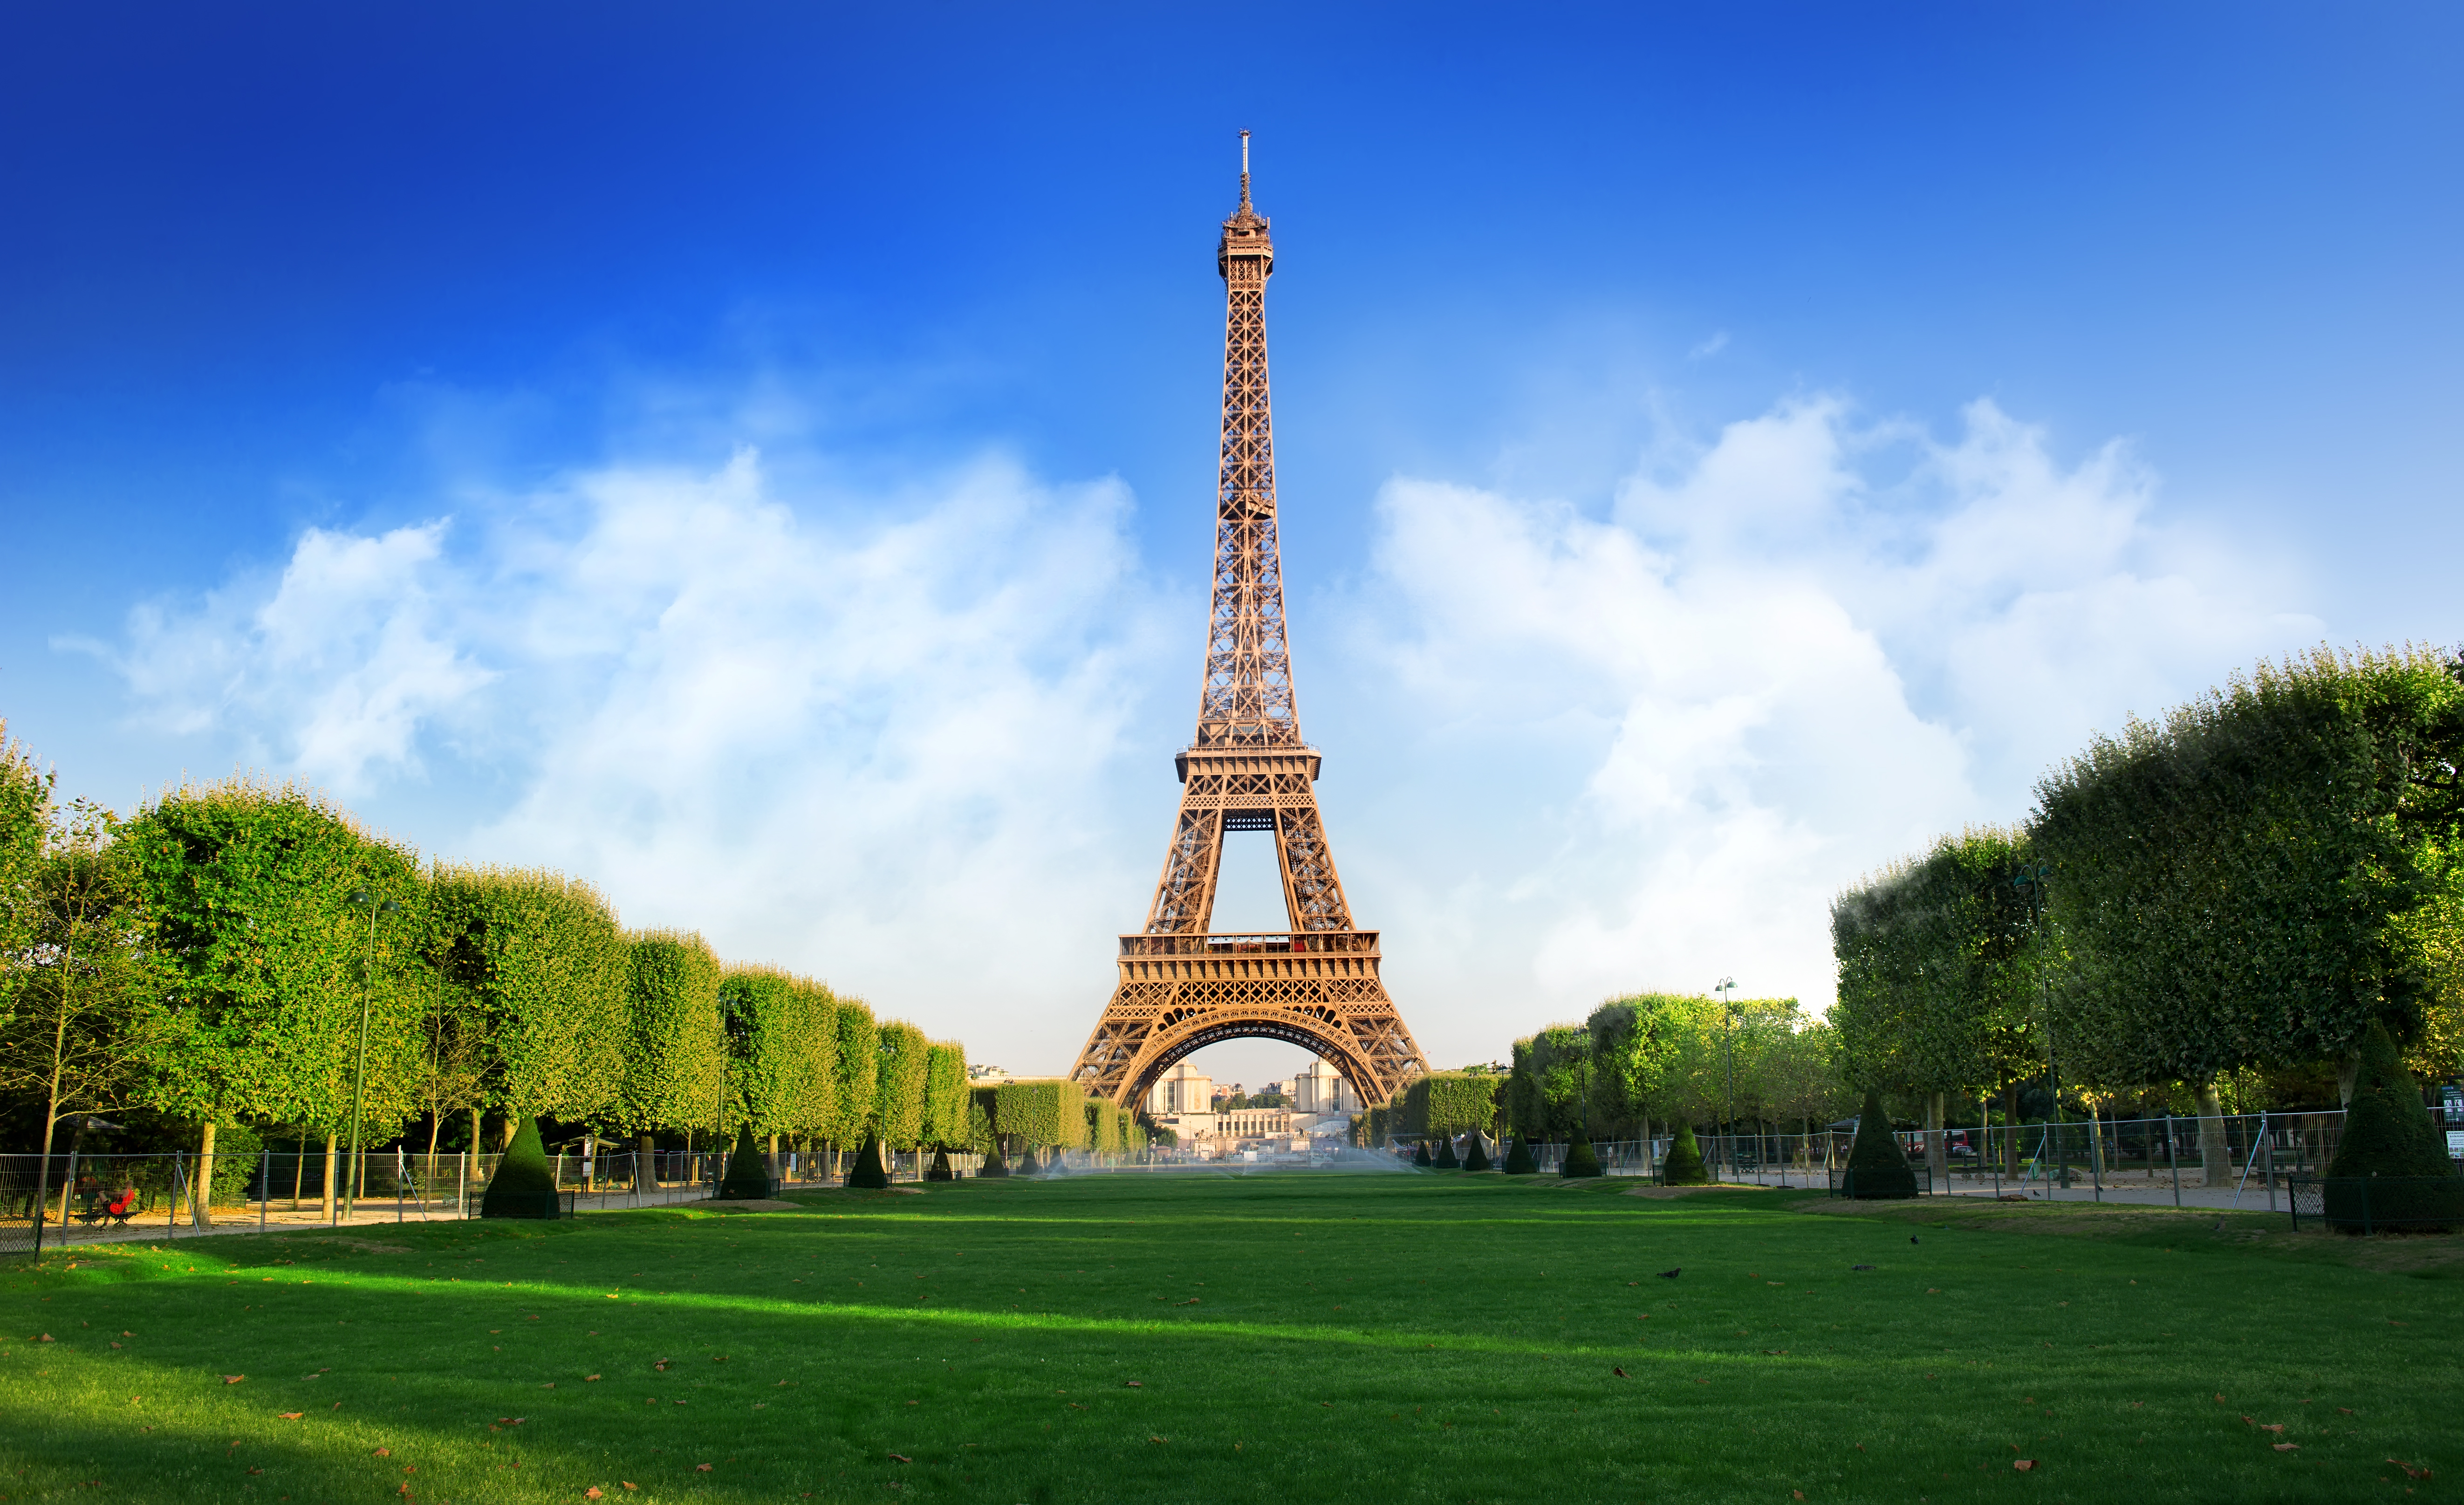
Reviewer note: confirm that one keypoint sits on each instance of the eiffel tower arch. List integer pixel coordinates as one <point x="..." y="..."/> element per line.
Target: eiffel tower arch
<point x="1183" y="987"/>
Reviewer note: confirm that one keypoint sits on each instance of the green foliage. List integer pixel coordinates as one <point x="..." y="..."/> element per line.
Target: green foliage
<point x="748" y="1171"/>
<point x="898" y="1103"/>
<point x="868" y="1172"/>
<point x="1682" y="1164"/>
<point x="1519" y="1161"/>
<point x="1476" y="1154"/>
<point x="524" y="1186"/>
<point x="1937" y="978"/>
<point x="1639" y="1050"/>
<point x="1420" y="1154"/>
<point x="1049" y="1114"/>
<point x="1104" y="1132"/>
<point x="1580" y="1160"/>
<point x="77" y="1023"/>
<point x="26" y="794"/>
<point x="1445" y="1158"/>
<point x="2388" y="1130"/>
<point x="2246" y="883"/>
<point x="1878" y="1167"/>
<point x="947" y="1103"/>
<point x="677" y="1050"/>
<point x="1455" y="1102"/>
<point x="256" y="956"/>
<point x="1544" y="1095"/>
<point x="782" y="1046"/>
<point x="857" y="1072"/>
<point x="542" y="960"/>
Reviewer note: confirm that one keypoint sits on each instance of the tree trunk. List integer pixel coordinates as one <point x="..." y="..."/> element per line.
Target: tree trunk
<point x="328" y="1208"/>
<point x="773" y="1171"/>
<point x="1937" y="1146"/>
<point x="2215" y="1157"/>
<point x="2011" y="1130"/>
<point x="505" y="1133"/>
<point x="203" y="1186"/>
<point x="2349" y="1076"/>
<point x="298" y="1169"/>
<point x="646" y="1162"/>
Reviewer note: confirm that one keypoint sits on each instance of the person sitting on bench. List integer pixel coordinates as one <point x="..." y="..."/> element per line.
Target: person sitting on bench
<point x="118" y="1209"/>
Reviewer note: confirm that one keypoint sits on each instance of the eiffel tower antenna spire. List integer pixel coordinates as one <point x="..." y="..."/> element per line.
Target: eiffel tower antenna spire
<point x="1183" y="987"/>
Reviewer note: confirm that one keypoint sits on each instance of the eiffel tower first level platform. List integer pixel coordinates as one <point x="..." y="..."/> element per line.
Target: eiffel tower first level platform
<point x="1182" y="987"/>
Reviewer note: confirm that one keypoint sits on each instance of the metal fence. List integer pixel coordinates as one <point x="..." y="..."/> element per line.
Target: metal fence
<point x="2229" y="1160"/>
<point x="90" y="1199"/>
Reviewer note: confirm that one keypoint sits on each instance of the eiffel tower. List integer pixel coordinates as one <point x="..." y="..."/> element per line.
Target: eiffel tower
<point x="1183" y="987"/>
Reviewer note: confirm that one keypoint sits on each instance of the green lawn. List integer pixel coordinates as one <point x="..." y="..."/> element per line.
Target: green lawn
<point x="1304" y="1336"/>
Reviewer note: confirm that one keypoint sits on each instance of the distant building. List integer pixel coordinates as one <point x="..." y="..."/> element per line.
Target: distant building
<point x="1320" y="1090"/>
<point x="1184" y="1089"/>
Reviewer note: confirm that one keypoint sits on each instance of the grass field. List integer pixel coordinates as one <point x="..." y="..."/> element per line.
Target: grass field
<point x="1303" y="1336"/>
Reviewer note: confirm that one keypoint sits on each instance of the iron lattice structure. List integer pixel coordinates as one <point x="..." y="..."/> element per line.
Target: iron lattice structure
<point x="1183" y="987"/>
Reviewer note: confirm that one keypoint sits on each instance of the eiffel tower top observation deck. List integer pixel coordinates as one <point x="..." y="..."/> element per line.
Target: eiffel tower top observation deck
<point x="1248" y="700"/>
<point x="1183" y="987"/>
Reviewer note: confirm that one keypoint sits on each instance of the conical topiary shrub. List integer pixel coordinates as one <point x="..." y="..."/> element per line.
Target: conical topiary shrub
<point x="1421" y="1156"/>
<point x="1580" y="1162"/>
<point x="524" y="1186"/>
<point x="1878" y="1167"/>
<point x="868" y="1173"/>
<point x="1445" y="1158"/>
<point x="1519" y="1161"/>
<point x="1476" y="1153"/>
<point x="747" y="1177"/>
<point x="2390" y="1171"/>
<point x="994" y="1165"/>
<point x="941" y="1168"/>
<point x="1682" y="1164"/>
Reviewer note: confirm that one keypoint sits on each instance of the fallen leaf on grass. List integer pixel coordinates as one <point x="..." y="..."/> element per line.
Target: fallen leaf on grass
<point x="587" y="1379"/>
<point x="228" y="1378"/>
<point x="384" y="1452"/>
<point x="594" y="1493"/>
<point x="628" y="1484"/>
<point x="2343" y="1410"/>
<point x="704" y="1467"/>
<point x="256" y="1471"/>
<point x="291" y="1416"/>
<point x="1159" y="1439"/>
<point x="1134" y="1384"/>
<point x="2023" y="1465"/>
<point x="2278" y="1428"/>
<point x="2410" y="1471"/>
<point x="2288" y="1447"/>
<point x="895" y="1458"/>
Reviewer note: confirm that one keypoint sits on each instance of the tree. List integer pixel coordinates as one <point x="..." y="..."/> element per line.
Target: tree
<point x="2248" y="882"/>
<point x="676" y="1054"/>
<point x="1545" y="1092"/>
<point x="946" y="1098"/>
<point x="898" y="1109"/>
<point x="857" y="1072"/>
<point x="783" y="1036"/>
<point x="1878" y="1167"/>
<point x="75" y="1024"/>
<point x="1638" y="1043"/>
<point x="543" y="961"/>
<point x="260" y="956"/>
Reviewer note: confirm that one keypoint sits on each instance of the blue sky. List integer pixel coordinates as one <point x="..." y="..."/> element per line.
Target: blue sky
<point x="759" y="460"/>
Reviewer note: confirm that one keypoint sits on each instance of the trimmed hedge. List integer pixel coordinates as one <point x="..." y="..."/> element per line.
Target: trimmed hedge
<point x="1420" y="1154"/>
<point x="1878" y="1167"/>
<point x="1580" y="1162"/>
<point x="941" y="1169"/>
<point x="1446" y="1159"/>
<point x="522" y="1187"/>
<point x="1476" y="1157"/>
<point x="2388" y="1137"/>
<point x="1519" y="1161"/>
<point x="1048" y="1114"/>
<point x="1682" y="1164"/>
<point x="868" y="1172"/>
<point x="748" y="1174"/>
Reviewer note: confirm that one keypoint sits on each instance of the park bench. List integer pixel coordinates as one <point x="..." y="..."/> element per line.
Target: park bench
<point x="116" y="1210"/>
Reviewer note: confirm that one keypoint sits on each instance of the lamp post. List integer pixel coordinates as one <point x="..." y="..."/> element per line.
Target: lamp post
<point x="360" y="1071"/>
<point x="1727" y="988"/>
<point x="2031" y="879"/>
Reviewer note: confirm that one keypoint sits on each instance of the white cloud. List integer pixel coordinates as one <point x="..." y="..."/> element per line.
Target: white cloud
<point x="1647" y="751"/>
<point x="914" y="741"/>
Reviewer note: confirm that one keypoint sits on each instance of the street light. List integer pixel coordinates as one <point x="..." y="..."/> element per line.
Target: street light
<point x="1727" y="989"/>
<point x="2031" y="879"/>
<point x="360" y="1072"/>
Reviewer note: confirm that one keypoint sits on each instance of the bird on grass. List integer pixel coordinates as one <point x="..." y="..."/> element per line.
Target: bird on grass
<point x="1861" y="1267"/>
<point x="1912" y="1238"/>
<point x="1618" y="1371"/>
<point x="1671" y="1275"/>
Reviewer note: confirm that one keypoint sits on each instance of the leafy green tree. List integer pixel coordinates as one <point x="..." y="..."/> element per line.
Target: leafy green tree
<point x="259" y="952"/>
<point x="524" y="1184"/>
<point x="2246" y="883"/>
<point x="1878" y="1167"/>
<point x="2389" y="1143"/>
<point x="1545" y="1091"/>
<point x="544" y="963"/>
<point x="75" y="1022"/>
<point x="782" y="1035"/>
<point x="1638" y="1045"/>
<point x="857" y="1072"/>
<point x="946" y="1098"/>
<point x="1683" y="1165"/>
<point x="677" y="1051"/>
<point x="898" y="1111"/>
